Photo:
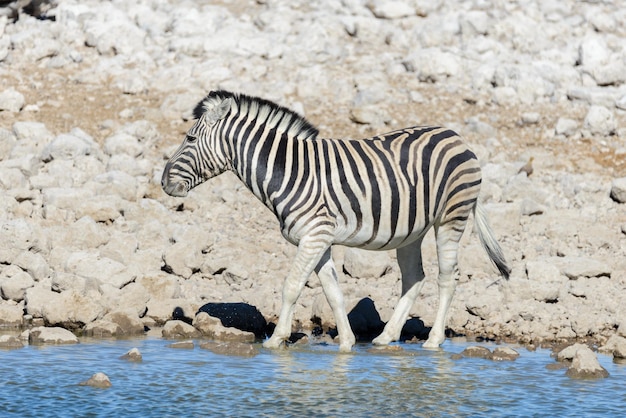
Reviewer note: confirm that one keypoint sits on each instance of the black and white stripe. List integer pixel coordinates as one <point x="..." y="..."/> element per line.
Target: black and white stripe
<point x="379" y="193"/>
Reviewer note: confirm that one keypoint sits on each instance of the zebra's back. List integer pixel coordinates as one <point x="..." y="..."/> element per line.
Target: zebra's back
<point x="386" y="191"/>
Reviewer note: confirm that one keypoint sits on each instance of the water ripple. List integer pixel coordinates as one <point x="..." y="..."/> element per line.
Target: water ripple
<point x="311" y="380"/>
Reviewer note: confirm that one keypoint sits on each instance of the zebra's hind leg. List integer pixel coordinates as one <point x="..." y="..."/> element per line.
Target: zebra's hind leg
<point x="327" y="273"/>
<point x="310" y="250"/>
<point x="410" y="262"/>
<point x="448" y="237"/>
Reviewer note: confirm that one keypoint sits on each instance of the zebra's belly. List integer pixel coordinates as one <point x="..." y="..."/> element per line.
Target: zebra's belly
<point x="387" y="239"/>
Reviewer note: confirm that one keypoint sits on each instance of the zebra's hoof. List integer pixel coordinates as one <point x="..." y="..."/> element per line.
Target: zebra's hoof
<point x="431" y="344"/>
<point x="273" y="343"/>
<point x="381" y="340"/>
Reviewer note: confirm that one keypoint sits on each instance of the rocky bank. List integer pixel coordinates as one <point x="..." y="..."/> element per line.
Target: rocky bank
<point x="95" y="95"/>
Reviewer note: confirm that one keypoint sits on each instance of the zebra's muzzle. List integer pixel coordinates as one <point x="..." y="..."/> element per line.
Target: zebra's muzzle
<point x="176" y="189"/>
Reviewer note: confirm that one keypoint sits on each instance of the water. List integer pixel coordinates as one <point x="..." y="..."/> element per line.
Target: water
<point x="313" y="380"/>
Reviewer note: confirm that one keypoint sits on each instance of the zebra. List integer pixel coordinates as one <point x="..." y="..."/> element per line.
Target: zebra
<point x="379" y="193"/>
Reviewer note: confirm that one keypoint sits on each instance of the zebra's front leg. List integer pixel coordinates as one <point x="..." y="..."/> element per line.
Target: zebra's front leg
<point x="410" y="262"/>
<point x="327" y="273"/>
<point x="309" y="253"/>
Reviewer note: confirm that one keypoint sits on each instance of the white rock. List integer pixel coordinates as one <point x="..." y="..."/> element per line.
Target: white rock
<point x="16" y="236"/>
<point x="11" y="100"/>
<point x="161" y="286"/>
<point x="366" y="264"/>
<point x="600" y="121"/>
<point x="618" y="190"/>
<point x="33" y="263"/>
<point x="566" y="126"/>
<point x="131" y="83"/>
<point x="585" y="365"/>
<point x="183" y="259"/>
<point x="54" y="335"/>
<point x="13" y="284"/>
<point x="391" y="9"/>
<point x="123" y="143"/>
<point x="433" y="64"/>
<point x="613" y="73"/>
<point x="105" y="270"/>
<point x="593" y="51"/>
<point x="179" y="329"/>
<point x="66" y="146"/>
<point x="546" y="280"/>
<point x="128" y="321"/>
<point x="101" y="208"/>
<point x="72" y="308"/>
<point x="575" y="267"/>
<point x="115" y="183"/>
<point x="475" y="22"/>
<point x="11" y="315"/>
<point x="7" y="142"/>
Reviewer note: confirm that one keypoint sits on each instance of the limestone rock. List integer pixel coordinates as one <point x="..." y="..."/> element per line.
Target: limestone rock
<point x="212" y="327"/>
<point x="231" y="348"/>
<point x="11" y="100"/>
<point x="11" y="316"/>
<point x="128" y="321"/>
<point x="477" y="351"/>
<point x="187" y="345"/>
<point x="179" y="329"/>
<point x="618" y="190"/>
<point x="585" y="365"/>
<point x="14" y="282"/>
<point x="504" y="353"/>
<point x="391" y="9"/>
<point x="600" y="121"/>
<point x="366" y="264"/>
<point x="103" y="329"/>
<point x="133" y="355"/>
<point x="10" y="342"/>
<point x="98" y="380"/>
<point x="53" y="335"/>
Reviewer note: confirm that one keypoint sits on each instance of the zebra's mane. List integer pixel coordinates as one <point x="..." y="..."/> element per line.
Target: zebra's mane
<point x="274" y="114"/>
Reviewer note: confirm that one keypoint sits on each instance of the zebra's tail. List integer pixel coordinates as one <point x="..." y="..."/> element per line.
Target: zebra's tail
<point x="489" y="242"/>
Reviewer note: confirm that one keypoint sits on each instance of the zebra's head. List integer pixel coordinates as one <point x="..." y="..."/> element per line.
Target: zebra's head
<point x="201" y="155"/>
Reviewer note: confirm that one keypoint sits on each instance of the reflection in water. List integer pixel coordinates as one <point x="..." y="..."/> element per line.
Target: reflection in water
<point x="302" y="380"/>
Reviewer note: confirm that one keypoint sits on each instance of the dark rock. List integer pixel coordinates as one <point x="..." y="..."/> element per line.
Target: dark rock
<point x="365" y="320"/>
<point x="179" y="315"/>
<point x="242" y="316"/>
<point x="414" y="328"/>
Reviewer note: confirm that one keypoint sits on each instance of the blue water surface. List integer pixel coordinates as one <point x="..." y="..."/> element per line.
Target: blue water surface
<point x="307" y="380"/>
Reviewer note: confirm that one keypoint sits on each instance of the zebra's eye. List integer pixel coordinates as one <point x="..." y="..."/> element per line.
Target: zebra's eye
<point x="191" y="139"/>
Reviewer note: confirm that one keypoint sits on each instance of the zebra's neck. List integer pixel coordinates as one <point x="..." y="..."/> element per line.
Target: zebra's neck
<point x="267" y="142"/>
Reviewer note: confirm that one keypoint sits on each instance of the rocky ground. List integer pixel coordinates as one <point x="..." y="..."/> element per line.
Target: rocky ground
<point x="94" y="95"/>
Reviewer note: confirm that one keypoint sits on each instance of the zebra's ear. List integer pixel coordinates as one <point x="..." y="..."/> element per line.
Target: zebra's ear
<point x="219" y="111"/>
